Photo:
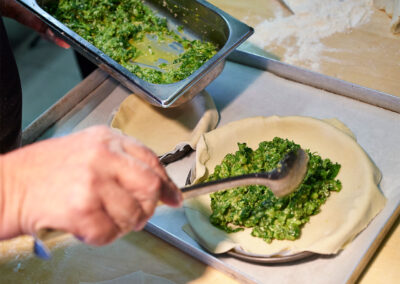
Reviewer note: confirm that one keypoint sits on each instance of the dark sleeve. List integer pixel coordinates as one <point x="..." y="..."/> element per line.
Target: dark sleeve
<point x="10" y="96"/>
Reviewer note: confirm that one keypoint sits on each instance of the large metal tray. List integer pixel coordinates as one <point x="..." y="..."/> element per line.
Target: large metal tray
<point x="200" y="19"/>
<point x="240" y="92"/>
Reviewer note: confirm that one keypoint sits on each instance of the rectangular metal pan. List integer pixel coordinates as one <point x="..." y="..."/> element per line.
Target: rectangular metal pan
<point x="200" y="19"/>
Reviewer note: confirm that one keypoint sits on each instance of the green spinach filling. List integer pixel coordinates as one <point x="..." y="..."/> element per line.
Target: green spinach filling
<point x="256" y="206"/>
<point x="125" y="30"/>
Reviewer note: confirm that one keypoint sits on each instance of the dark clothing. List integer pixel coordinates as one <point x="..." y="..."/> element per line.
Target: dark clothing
<point x="10" y="96"/>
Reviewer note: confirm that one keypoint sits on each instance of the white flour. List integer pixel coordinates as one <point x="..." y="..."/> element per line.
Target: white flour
<point x="301" y="33"/>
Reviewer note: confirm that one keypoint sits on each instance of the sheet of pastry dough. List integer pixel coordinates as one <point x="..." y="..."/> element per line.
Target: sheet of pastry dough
<point x="392" y="8"/>
<point x="166" y="130"/>
<point x="342" y="217"/>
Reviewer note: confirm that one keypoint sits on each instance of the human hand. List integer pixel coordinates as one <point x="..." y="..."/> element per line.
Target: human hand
<point x="95" y="184"/>
<point x="11" y="9"/>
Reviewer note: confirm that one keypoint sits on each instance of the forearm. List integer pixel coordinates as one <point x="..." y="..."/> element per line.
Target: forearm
<point x="10" y="203"/>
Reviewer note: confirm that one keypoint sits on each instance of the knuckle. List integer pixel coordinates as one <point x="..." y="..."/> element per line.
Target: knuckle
<point x="98" y="237"/>
<point x="131" y="207"/>
<point x="89" y="182"/>
<point x="80" y="206"/>
<point x="84" y="197"/>
<point x="99" y="150"/>
<point x="126" y="226"/>
<point x="98" y="234"/>
<point x="154" y="185"/>
<point x="102" y="130"/>
<point x="153" y="160"/>
<point x="97" y="153"/>
<point x="148" y="156"/>
<point x="97" y="132"/>
<point x="149" y="211"/>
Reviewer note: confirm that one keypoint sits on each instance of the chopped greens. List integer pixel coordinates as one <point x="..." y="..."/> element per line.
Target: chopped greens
<point x="117" y="26"/>
<point x="256" y="206"/>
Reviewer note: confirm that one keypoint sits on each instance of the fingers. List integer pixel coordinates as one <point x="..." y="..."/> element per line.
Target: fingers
<point x="126" y="212"/>
<point x="136" y="169"/>
<point x="127" y="203"/>
<point x="139" y="180"/>
<point x="94" y="184"/>
<point x="141" y="152"/>
<point x="96" y="228"/>
<point x="170" y="194"/>
<point x="121" y="213"/>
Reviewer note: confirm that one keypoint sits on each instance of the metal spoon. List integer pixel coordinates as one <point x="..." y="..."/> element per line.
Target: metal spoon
<point x="283" y="180"/>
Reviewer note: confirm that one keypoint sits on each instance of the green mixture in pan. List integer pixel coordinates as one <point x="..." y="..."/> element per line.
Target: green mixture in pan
<point x="256" y="207"/>
<point x="126" y="30"/>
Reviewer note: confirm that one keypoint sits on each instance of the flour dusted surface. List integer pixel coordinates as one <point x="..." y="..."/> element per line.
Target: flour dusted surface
<point x="313" y="20"/>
